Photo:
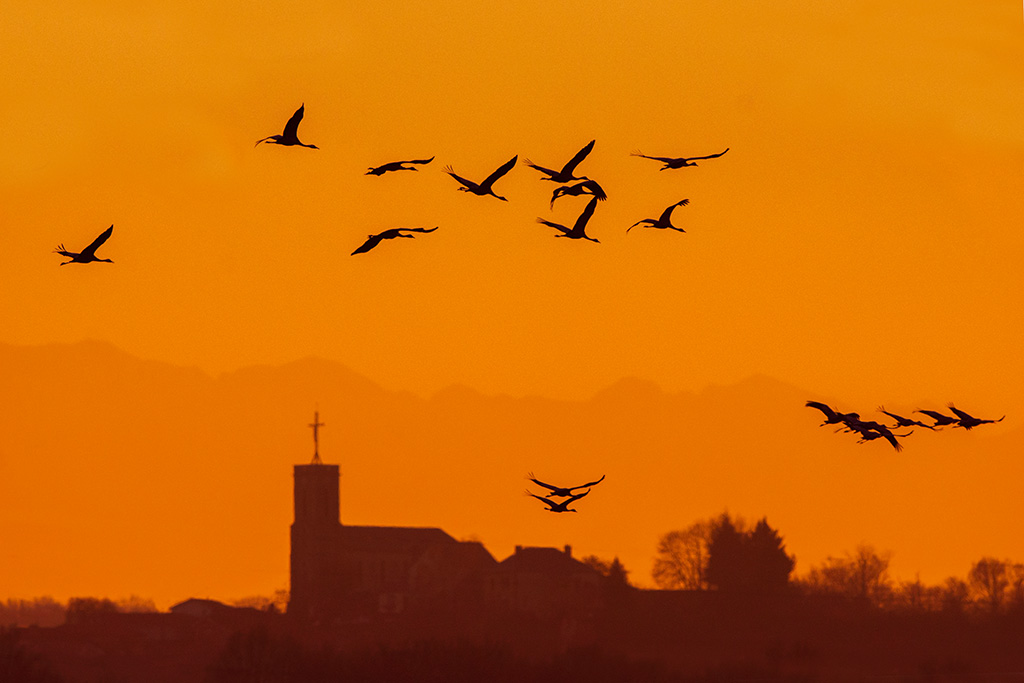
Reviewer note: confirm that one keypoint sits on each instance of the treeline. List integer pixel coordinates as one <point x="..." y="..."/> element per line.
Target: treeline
<point x="723" y="554"/>
<point x="46" y="611"/>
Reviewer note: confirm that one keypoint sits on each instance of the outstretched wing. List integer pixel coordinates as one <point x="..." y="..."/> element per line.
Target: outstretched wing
<point x="580" y="156"/>
<point x="581" y="222"/>
<point x="566" y="503"/>
<point x="502" y="170"/>
<point x="91" y="249"/>
<point x="829" y="413"/>
<point x="667" y="213"/>
<point x="664" y="160"/>
<point x="418" y="229"/>
<point x="419" y="161"/>
<point x="291" y="129"/>
<point x="595" y="189"/>
<point x="369" y="244"/>
<point x="891" y="438"/>
<point x="961" y="414"/>
<point x="546" y="171"/>
<point x="551" y="504"/>
<point x="588" y="485"/>
<point x="710" y="156"/>
<point x="468" y="183"/>
<point x="561" y="228"/>
<point x="935" y="415"/>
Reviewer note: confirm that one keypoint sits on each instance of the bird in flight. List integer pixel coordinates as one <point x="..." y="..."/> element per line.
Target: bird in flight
<point x="374" y="240"/>
<point x="566" y="174"/>
<point x="586" y="187"/>
<point x="940" y="419"/>
<point x="664" y="221"/>
<point x="904" y="421"/>
<point x="290" y="137"/>
<point x="577" y="231"/>
<point x="832" y="417"/>
<point x="869" y="431"/>
<point x="968" y="422"/>
<point x="484" y="187"/>
<point x="561" y="490"/>
<point x="677" y="162"/>
<point x="87" y="255"/>
<point x="562" y="506"/>
<point x="397" y="166"/>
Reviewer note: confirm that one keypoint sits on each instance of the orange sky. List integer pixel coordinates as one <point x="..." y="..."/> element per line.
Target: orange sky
<point x="862" y="238"/>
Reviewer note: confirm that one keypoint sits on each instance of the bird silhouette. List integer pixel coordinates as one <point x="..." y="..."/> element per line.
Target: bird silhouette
<point x="87" y="255"/>
<point x="677" y="162"/>
<point x="397" y="166"/>
<point x="969" y="422"/>
<point x="664" y="221"/>
<point x="290" y="137"/>
<point x="374" y="240"/>
<point x="565" y="175"/>
<point x="562" y="506"/>
<point x="940" y="419"/>
<point x="577" y="231"/>
<point x="563" y="490"/>
<point x="879" y="431"/>
<point x="832" y="417"/>
<point x="484" y="187"/>
<point x="586" y="187"/>
<point x="904" y="421"/>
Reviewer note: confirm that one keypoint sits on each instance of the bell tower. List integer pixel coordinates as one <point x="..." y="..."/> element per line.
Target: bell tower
<point x="315" y="537"/>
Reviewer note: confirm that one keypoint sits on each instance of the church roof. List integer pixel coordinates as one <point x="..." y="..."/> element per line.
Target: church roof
<point x="392" y="539"/>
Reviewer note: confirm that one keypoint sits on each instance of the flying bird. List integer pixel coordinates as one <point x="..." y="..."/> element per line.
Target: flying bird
<point x="374" y="240"/>
<point x="484" y="187"/>
<point x="832" y="417"/>
<point x="577" y="231"/>
<point x="664" y="221"/>
<point x="566" y="174"/>
<point x="968" y="422"/>
<point x="397" y="166"/>
<point x="290" y="137"/>
<point x="940" y="419"/>
<point x="87" y="255"/>
<point x="677" y="162"/>
<point x="904" y="421"/>
<point x="562" y="506"/>
<point x="872" y="433"/>
<point x="586" y="187"/>
<point x="563" y="491"/>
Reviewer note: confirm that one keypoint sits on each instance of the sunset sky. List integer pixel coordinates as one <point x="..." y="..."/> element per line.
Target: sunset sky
<point x="862" y="239"/>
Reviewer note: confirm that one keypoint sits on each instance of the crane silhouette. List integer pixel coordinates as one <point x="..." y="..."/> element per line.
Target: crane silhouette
<point x="664" y="221"/>
<point x="677" y="162"/>
<point x="483" y="188"/>
<point x="969" y="422"/>
<point x="577" y="231"/>
<point x="940" y="419"/>
<point x="87" y="255"/>
<point x="397" y="166"/>
<point x="586" y="187"/>
<point x="563" y="490"/>
<point x="290" y="136"/>
<point x="832" y="417"/>
<point x="566" y="174"/>
<point x="879" y="431"/>
<point x="905" y="421"/>
<point x="374" y="240"/>
<point x="562" y="506"/>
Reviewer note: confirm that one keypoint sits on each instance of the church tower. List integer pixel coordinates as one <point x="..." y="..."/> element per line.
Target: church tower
<point x="314" y="538"/>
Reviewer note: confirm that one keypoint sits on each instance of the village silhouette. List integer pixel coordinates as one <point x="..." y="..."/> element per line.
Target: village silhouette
<point x="396" y="603"/>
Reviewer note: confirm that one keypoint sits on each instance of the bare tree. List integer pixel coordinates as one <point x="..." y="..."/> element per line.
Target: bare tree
<point x="988" y="581"/>
<point x="682" y="559"/>
<point x="861" y="575"/>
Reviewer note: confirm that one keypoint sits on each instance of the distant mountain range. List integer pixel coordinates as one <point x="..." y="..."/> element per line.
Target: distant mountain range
<point x="126" y="476"/>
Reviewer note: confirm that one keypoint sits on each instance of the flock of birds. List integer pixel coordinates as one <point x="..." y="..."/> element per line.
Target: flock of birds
<point x="565" y="492"/>
<point x="869" y="430"/>
<point x="581" y="185"/>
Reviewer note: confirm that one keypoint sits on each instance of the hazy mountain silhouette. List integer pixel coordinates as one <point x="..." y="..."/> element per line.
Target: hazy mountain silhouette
<point x="162" y="481"/>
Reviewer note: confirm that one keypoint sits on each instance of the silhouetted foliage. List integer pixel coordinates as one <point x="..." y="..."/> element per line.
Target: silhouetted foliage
<point x="681" y="562"/>
<point x="44" y="611"/>
<point x="754" y="561"/>
<point x="988" y="580"/>
<point x="84" y="609"/>
<point x="20" y="666"/>
<point x="863" y="576"/>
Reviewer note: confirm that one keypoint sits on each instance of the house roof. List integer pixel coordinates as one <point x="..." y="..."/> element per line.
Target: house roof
<point x="543" y="561"/>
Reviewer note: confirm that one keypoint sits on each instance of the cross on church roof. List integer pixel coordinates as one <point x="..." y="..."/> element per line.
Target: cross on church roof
<point x="316" y="424"/>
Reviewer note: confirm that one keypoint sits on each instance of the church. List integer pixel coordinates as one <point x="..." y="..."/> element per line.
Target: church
<point x="341" y="571"/>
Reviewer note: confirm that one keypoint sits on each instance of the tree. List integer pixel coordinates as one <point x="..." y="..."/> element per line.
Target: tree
<point x="769" y="561"/>
<point x="988" y="580"/>
<point x="727" y="557"/>
<point x="862" y="575"/>
<point x="681" y="562"/>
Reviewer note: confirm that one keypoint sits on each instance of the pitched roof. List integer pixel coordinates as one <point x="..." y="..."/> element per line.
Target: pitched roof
<point x="543" y="561"/>
<point x="392" y="539"/>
